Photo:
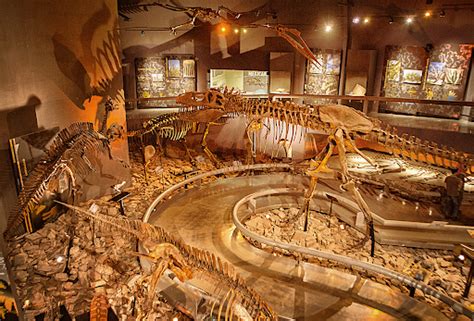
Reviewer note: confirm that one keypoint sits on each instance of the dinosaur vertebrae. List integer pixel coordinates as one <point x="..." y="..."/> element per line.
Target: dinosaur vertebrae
<point x="195" y="258"/>
<point x="66" y="154"/>
<point x="413" y="148"/>
<point x="168" y="126"/>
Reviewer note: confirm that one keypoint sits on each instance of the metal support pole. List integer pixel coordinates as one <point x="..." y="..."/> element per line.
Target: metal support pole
<point x="469" y="281"/>
<point x="419" y="277"/>
<point x="306" y="220"/>
<point x="372" y="239"/>
<point x="122" y="208"/>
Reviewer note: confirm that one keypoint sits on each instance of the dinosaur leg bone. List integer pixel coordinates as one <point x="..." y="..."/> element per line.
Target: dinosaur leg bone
<point x="353" y="146"/>
<point x="349" y="183"/>
<point x="254" y="126"/>
<point x="191" y="158"/>
<point x="206" y="150"/>
<point x="317" y="167"/>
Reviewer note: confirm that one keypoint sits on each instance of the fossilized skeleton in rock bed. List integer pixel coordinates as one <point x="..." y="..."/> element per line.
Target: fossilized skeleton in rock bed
<point x="232" y="297"/>
<point x="55" y="177"/>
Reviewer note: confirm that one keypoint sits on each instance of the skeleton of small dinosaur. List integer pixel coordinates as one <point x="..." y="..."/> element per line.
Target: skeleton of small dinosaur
<point x="342" y="124"/>
<point x="170" y="253"/>
<point x="174" y="126"/>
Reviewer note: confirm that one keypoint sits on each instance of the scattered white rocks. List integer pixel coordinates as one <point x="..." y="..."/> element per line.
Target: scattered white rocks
<point x="68" y="261"/>
<point x="439" y="267"/>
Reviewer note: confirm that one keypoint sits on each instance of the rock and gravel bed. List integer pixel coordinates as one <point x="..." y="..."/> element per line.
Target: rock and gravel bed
<point x="440" y="268"/>
<point x="69" y="260"/>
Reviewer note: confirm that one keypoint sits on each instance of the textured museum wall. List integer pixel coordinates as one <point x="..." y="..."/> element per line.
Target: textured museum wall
<point x="311" y="17"/>
<point x="59" y="59"/>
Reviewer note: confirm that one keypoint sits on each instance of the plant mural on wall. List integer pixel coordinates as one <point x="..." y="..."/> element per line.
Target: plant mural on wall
<point x="440" y="75"/>
<point x="323" y="78"/>
<point x="163" y="77"/>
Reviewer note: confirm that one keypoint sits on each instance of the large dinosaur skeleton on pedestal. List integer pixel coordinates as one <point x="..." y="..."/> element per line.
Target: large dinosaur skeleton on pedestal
<point x="342" y="124"/>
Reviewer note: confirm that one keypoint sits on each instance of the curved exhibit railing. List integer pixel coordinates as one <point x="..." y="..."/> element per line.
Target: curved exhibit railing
<point x="344" y="260"/>
<point x="220" y="171"/>
<point x="350" y="262"/>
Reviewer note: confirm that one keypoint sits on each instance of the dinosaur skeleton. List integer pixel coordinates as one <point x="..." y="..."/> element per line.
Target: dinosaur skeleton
<point x="171" y="253"/>
<point x="55" y="176"/>
<point x="343" y="125"/>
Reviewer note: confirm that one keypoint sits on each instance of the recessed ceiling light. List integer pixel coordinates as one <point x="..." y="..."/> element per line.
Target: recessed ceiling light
<point x="356" y="20"/>
<point x="366" y="20"/>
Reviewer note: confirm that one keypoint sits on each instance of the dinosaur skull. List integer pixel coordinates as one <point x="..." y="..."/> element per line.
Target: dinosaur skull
<point x="211" y="99"/>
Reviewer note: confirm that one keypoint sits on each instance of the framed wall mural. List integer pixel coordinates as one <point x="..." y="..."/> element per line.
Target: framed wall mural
<point x="189" y="68"/>
<point x="333" y="63"/>
<point x="323" y="78"/>
<point x="435" y="73"/>
<point x="173" y="68"/>
<point x="392" y="72"/>
<point x="453" y="76"/>
<point x="443" y="78"/>
<point x="412" y="76"/>
<point x="163" y="77"/>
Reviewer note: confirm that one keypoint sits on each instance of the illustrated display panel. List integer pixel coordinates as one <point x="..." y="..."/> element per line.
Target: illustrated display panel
<point x="253" y="82"/>
<point x="322" y="78"/>
<point x="413" y="72"/>
<point x="163" y="77"/>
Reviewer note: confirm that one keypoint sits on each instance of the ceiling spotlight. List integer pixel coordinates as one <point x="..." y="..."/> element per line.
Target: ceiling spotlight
<point x="461" y="257"/>
<point x="390" y="21"/>
<point x="428" y="14"/>
<point x="244" y="30"/>
<point x="236" y="30"/>
<point x="223" y="29"/>
<point x="356" y="20"/>
<point x="409" y="20"/>
<point x="442" y="14"/>
<point x="327" y="28"/>
<point x="366" y="20"/>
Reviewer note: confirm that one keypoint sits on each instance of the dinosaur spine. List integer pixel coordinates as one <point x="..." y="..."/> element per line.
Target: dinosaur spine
<point x="196" y="258"/>
<point x="66" y="154"/>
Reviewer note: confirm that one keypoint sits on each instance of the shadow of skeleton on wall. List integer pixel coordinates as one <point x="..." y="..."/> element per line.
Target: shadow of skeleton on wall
<point x="96" y="74"/>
